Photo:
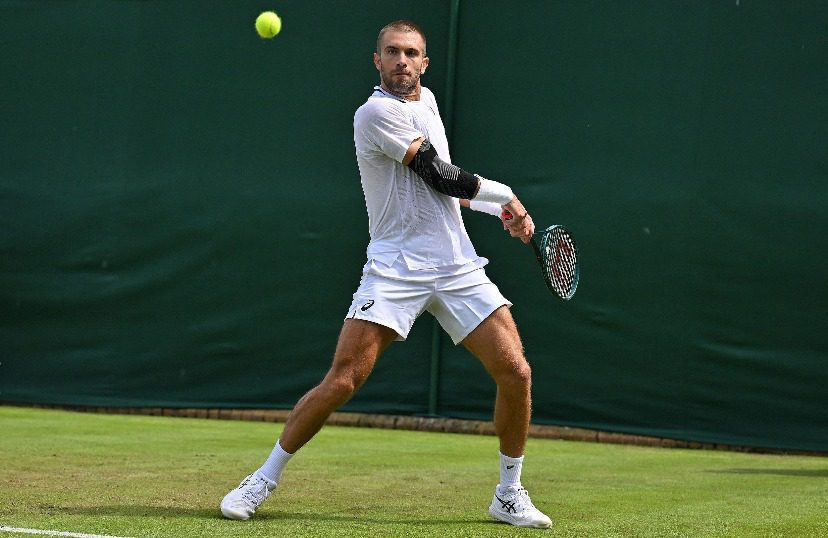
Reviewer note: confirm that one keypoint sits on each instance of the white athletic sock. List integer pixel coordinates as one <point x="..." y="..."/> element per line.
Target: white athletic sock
<point x="275" y="464"/>
<point x="510" y="471"/>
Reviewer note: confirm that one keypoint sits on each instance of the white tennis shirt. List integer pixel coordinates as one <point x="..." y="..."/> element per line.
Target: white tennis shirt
<point x="416" y="232"/>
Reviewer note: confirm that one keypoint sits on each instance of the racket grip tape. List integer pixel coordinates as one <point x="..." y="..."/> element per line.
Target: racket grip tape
<point x="537" y="250"/>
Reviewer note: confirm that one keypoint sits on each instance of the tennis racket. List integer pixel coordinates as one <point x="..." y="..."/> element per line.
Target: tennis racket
<point x="557" y="256"/>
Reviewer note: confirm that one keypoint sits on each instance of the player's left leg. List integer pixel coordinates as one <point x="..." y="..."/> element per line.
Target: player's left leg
<point x="496" y="343"/>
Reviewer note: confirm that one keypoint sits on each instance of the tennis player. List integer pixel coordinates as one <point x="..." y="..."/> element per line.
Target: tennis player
<point x="420" y="259"/>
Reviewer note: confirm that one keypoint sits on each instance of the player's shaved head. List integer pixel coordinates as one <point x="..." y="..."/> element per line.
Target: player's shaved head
<point x="401" y="26"/>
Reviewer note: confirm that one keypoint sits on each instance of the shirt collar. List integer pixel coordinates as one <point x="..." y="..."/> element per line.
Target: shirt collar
<point x="389" y="94"/>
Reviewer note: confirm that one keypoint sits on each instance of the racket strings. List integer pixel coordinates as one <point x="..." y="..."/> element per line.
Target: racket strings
<point x="560" y="262"/>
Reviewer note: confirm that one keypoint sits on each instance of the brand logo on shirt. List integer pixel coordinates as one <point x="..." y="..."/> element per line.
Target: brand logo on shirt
<point x="367" y="305"/>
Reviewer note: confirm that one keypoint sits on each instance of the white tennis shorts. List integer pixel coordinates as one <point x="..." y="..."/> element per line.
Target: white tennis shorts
<point x="458" y="302"/>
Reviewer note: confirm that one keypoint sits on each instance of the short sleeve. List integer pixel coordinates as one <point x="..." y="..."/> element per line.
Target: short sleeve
<point x="383" y="125"/>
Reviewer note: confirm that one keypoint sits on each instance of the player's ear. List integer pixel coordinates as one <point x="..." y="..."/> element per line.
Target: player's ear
<point x="377" y="62"/>
<point x="425" y="65"/>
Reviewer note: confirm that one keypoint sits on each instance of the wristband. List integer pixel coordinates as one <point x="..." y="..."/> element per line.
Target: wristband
<point x="492" y="191"/>
<point x="486" y="207"/>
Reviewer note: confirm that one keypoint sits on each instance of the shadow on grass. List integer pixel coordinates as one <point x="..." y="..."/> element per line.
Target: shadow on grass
<point x="131" y="510"/>
<point x="812" y="473"/>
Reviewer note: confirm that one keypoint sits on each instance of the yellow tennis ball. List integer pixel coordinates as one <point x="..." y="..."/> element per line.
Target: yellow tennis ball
<point x="268" y="24"/>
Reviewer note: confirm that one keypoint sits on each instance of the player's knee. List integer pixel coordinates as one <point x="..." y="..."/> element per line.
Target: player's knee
<point x="343" y="387"/>
<point x="518" y="374"/>
<point x="523" y="373"/>
<point x="346" y="382"/>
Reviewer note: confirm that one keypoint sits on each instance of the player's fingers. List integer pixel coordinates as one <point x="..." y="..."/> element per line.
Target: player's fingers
<point x="528" y="225"/>
<point x="521" y="234"/>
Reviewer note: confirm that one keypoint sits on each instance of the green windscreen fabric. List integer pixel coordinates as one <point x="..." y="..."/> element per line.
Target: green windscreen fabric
<point x="181" y="220"/>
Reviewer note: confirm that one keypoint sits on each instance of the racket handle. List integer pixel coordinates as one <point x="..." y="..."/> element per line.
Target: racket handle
<point x="537" y="250"/>
<point x="506" y="215"/>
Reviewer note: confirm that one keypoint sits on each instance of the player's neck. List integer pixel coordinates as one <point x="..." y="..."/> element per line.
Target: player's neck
<point x="413" y="96"/>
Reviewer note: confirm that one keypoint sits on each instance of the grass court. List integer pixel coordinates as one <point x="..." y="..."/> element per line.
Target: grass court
<point x="141" y="477"/>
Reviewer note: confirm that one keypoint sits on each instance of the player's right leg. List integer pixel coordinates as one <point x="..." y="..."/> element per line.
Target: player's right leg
<point x="360" y="344"/>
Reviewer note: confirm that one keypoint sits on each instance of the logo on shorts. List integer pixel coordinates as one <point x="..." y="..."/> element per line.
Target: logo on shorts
<point x="367" y="305"/>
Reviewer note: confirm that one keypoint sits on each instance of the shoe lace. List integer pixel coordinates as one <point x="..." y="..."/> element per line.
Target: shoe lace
<point x="254" y="491"/>
<point x="523" y="500"/>
<point x="517" y="502"/>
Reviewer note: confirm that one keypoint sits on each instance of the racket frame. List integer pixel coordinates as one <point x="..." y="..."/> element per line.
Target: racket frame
<point x="541" y="249"/>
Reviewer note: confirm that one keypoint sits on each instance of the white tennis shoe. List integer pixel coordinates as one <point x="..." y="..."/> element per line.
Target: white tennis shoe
<point x="513" y="506"/>
<point x="242" y="502"/>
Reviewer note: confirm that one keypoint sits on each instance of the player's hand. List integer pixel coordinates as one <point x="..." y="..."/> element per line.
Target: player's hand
<point x="517" y="221"/>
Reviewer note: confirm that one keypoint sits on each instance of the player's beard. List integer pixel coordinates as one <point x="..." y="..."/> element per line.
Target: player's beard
<point x="401" y="86"/>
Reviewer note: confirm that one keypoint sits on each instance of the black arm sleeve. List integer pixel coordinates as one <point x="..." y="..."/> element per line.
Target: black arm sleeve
<point x="442" y="176"/>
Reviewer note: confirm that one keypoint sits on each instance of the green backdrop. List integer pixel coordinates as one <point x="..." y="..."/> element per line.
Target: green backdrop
<point x="181" y="222"/>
